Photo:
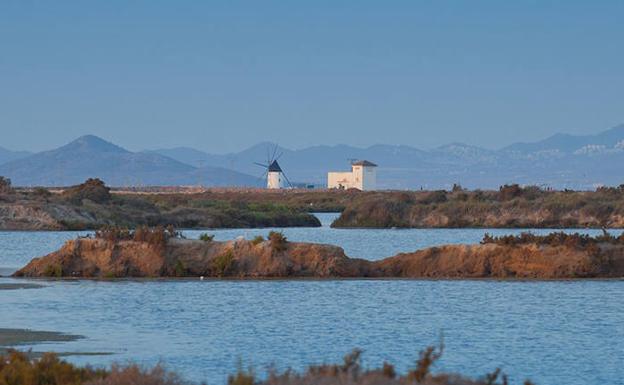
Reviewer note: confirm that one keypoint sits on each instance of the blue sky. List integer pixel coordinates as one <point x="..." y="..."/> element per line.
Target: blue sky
<point x="223" y="75"/>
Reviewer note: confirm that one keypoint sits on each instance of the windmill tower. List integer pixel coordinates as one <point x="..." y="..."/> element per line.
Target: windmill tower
<point x="275" y="176"/>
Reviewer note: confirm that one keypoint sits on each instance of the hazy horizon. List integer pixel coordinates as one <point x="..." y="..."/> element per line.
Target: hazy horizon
<point x="223" y="76"/>
<point x="174" y="146"/>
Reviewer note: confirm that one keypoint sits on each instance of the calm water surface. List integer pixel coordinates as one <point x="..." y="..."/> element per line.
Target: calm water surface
<point x="559" y="332"/>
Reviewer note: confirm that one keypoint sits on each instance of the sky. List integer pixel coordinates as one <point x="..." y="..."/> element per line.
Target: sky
<point x="223" y="75"/>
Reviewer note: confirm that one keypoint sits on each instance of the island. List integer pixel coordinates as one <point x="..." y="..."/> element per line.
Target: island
<point x="92" y="204"/>
<point x="161" y="252"/>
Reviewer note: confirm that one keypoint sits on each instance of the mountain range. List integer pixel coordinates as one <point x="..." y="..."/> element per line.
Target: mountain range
<point x="560" y="161"/>
<point x="90" y="156"/>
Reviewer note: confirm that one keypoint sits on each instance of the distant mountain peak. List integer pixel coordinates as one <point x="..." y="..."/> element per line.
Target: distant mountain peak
<point x="90" y="143"/>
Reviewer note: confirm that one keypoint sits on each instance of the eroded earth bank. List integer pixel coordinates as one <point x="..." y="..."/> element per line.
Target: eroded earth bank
<point x="152" y="254"/>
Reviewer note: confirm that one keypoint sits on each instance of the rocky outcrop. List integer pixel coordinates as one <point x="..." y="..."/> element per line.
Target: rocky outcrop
<point x="502" y="261"/>
<point x="246" y="259"/>
<point x="182" y="257"/>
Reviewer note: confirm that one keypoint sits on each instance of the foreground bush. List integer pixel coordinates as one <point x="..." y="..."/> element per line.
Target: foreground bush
<point x="19" y="369"/>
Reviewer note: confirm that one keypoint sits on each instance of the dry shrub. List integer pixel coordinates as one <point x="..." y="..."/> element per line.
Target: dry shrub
<point x="242" y="376"/>
<point x="135" y="375"/>
<point x="576" y="240"/>
<point x="278" y="241"/>
<point x="423" y="366"/>
<point x="509" y="191"/>
<point x="351" y="373"/>
<point x="434" y="197"/>
<point x="17" y="368"/>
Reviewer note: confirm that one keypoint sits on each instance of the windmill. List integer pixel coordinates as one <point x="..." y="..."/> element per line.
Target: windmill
<point x="275" y="176"/>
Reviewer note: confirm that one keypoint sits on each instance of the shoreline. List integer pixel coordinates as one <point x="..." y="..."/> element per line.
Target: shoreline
<point x="12" y="340"/>
<point x="305" y="279"/>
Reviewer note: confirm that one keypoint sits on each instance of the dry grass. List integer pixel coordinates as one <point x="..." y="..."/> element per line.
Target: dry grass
<point x="136" y="375"/>
<point x="512" y="206"/>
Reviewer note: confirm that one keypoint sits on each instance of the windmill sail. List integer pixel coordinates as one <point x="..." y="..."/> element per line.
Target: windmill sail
<point x="275" y="176"/>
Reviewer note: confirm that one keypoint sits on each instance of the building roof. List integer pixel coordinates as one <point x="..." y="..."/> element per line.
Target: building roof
<point x="275" y="167"/>
<point x="364" y="163"/>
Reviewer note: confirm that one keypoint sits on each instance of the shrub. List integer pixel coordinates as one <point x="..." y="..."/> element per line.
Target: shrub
<point x="180" y="269"/>
<point x="427" y="358"/>
<point x="17" y="368"/>
<point x="388" y="370"/>
<point x="457" y="188"/>
<point x="92" y="189"/>
<point x="258" y="239"/>
<point x="438" y="196"/>
<point x="509" y="191"/>
<point x="113" y="233"/>
<point x="242" y="376"/>
<point x="5" y="185"/>
<point x="136" y="375"/>
<point x="41" y="192"/>
<point x="576" y="240"/>
<point x="53" y="271"/>
<point x="206" y="237"/>
<point x="278" y="241"/>
<point x="223" y="265"/>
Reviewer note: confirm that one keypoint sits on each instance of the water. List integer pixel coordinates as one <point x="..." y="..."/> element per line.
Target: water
<point x="558" y="332"/>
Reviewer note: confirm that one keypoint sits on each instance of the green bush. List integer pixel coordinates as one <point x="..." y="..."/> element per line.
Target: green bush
<point x="53" y="271"/>
<point x="180" y="269"/>
<point x="206" y="237"/>
<point x="223" y="265"/>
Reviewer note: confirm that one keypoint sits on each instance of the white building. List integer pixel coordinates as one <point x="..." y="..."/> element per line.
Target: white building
<point x="363" y="176"/>
<point x="275" y="176"/>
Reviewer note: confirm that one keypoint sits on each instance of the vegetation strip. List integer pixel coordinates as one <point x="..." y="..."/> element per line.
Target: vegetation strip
<point x="12" y="337"/>
<point x="49" y="369"/>
<point x="91" y="205"/>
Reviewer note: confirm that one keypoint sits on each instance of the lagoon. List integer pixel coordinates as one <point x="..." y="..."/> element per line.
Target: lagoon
<point x="555" y="332"/>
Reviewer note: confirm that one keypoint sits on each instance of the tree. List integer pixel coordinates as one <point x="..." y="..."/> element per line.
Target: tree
<point x="5" y="185"/>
